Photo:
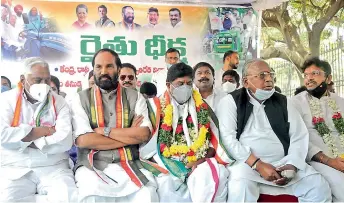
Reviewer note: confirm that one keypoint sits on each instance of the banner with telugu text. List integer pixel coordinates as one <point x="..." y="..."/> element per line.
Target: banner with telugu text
<point x="67" y="34"/>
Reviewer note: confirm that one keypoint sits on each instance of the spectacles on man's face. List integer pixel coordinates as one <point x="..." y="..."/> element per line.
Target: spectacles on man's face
<point x="130" y="77"/>
<point x="262" y="75"/>
<point x="314" y="73"/>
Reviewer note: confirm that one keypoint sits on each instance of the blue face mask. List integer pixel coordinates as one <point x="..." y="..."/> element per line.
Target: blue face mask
<point x="4" y="88"/>
<point x="262" y="94"/>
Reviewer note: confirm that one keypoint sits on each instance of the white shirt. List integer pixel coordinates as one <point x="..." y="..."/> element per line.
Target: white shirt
<point x="159" y="80"/>
<point x="218" y="77"/>
<point x="51" y="149"/>
<point x="258" y="134"/>
<point x="13" y="35"/>
<point x="214" y="99"/>
<point x="178" y="25"/>
<point x="156" y="26"/>
<point x="301" y="102"/>
<point x="81" y="125"/>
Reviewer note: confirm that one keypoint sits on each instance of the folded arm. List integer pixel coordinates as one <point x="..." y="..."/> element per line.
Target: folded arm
<point x="61" y="139"/>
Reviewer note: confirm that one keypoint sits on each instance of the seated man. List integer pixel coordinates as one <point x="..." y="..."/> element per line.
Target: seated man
<point x="230" y="81"/>
<point x="36" y="135"/>
<point x="320" y="110"/>
<point x="110" y="123"/>
<point x="203" y="74"/>
<point x="268" y="139"/>
<point x="188" y="149"/>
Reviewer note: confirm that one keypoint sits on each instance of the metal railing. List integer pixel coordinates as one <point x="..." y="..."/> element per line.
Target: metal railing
<point x="288" y="79"/>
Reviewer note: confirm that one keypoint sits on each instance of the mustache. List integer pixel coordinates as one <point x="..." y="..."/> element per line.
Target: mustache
<point x="105" y="76"/>
<point x="311" y="82"/>
<point x="127" y="82"/>
<point x="203" y="79"/>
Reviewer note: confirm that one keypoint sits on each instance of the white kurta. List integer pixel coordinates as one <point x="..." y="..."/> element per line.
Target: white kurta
<point x="91" y="187"/>
<point x="25" y="170"/>
<point x="159" y="80"/>
<point x="179" y="25"/>
<point x="214" y="99"/>
<point x="316" y="144"/>
<point x="200" y="185"/>
<point x="158" y="26"/>
<point x="259" y="138"/>
<point x="218" y="78"/>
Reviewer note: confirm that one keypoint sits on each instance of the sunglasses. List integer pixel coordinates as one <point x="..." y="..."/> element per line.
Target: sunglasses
<point x="130" y="77"/>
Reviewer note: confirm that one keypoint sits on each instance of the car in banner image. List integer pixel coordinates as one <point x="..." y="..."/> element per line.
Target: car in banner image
<point x="227" y="40"/>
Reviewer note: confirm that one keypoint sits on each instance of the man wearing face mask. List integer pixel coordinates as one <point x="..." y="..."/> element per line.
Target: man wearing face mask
<point x="230" y="81"/>
<point x="172" y="56"/>
<point x="318" y="106"/>
<point x="204" y="81"/>
<point x="264" y="132"/>
<point x="230" y="62"/>
<point x="111" y="127"/>
<point x="36" y="134"/>
<point x="188" y="145"/>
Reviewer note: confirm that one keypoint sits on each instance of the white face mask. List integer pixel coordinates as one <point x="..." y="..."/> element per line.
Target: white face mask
<point x="228" y="87"/>
<point x="39" y="91"/>
<point x="168" y="65"/>
<point x="182" y="93"/>
<point x="262" y="94"/>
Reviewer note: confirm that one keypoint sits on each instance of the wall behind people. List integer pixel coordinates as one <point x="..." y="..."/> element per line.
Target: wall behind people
<point x="141" y="36"/>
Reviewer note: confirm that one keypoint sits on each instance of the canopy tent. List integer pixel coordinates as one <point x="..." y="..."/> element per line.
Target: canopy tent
<point x="256" y="4"/>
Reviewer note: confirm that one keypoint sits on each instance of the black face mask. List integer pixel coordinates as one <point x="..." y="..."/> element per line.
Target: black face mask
<point x="319" y="91"/>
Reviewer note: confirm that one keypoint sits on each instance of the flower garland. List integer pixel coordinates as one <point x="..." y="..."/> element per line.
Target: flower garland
<point x="176" y="146"/>
<point x="322" y="128"/>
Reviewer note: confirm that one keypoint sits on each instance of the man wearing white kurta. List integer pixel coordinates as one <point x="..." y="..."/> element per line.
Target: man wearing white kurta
<point x="36" y="135"/>
<point x="268" y="139"/>
<point x="172" y="56"/>
<point x="317" y="76"/>
<point x="203" y="179"/>
<point x="204" y="82"/>
<point x="114" y="173"/>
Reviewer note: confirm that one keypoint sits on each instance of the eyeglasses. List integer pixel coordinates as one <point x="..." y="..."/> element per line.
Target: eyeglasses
<point x="130" y="77"/>
<point x="262" y="75"/>
<point x="313" y="73"/>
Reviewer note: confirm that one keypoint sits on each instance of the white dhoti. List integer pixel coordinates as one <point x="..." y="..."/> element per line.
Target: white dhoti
<point x="93" y="189"/>
<point x="207" y="183"/>
<point x="245" y="185"/>
<point x="41" y="184"/>
<point x="335" y="179"/>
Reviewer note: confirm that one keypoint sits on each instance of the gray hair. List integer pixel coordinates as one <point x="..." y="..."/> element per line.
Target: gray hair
<point x="249" y="64"/>
<point x="30" y="62"/>
<point x="81" y="6"/>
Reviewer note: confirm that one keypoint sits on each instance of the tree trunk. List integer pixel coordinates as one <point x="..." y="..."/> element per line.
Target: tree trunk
<point x="314" y="43"/>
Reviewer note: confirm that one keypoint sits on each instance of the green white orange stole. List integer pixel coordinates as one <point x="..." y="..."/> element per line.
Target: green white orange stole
<point x="45" y="115"/>
<point x="128" y="160"/>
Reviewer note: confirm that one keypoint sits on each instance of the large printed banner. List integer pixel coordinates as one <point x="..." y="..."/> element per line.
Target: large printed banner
<point x="67" y="34"/>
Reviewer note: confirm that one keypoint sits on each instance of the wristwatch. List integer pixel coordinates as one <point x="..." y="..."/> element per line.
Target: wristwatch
<point x="107" y="131"/>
